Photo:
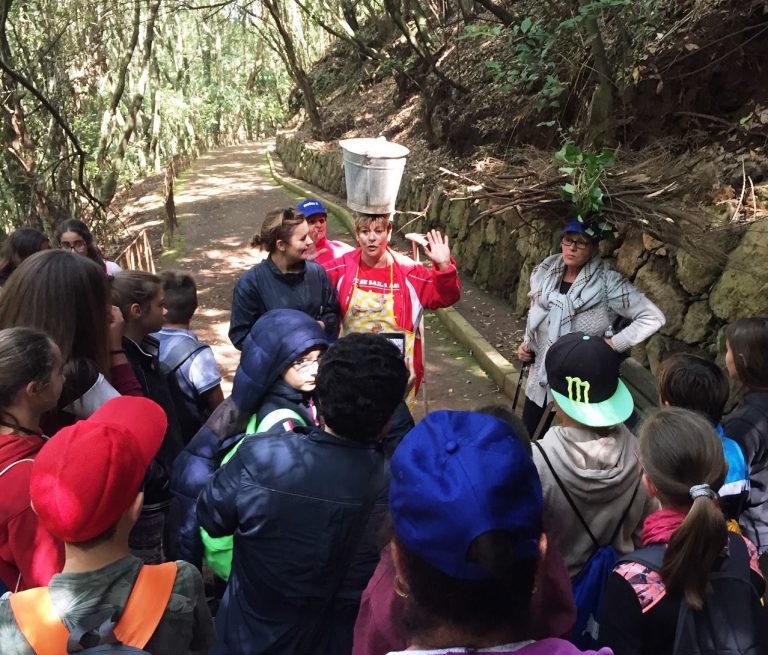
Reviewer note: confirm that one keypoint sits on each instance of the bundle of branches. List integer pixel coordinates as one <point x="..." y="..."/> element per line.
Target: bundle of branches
<point x="645" y="190"/>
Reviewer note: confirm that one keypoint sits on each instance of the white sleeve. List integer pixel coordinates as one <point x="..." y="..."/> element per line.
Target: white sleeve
<point x="91" y="400"/>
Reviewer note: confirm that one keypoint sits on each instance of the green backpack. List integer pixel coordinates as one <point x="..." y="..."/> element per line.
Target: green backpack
<point x="217" y="551"/>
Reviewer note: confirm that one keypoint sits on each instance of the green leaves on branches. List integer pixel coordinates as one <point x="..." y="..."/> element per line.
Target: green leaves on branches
<point x="585" y="190"/>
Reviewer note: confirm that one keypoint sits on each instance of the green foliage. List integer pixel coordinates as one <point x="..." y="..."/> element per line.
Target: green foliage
<point x="532" y="68"/>
<point x="212" y="79"/>
<point x="485" y="30"/>
<point x="585" y="191"/>
<point x="593" y="8"/>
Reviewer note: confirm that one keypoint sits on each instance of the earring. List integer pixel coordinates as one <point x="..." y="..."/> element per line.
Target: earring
<point x="399" y="587"/>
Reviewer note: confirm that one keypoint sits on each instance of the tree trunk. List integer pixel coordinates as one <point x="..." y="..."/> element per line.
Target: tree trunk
<point x="602" y="118"/>
<point x="154" y="149"/>
<point x="297" y="71"/>
<point x="348" y="11"/>
<point x="117" y="94"/>
<point x="18" y="147"/>
<point x="109" y="187"/>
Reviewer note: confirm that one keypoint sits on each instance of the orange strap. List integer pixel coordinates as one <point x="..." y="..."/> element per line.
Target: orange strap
<point x="146" y="604"/>
<point x="38" y="621"/>
<point x="47" y="635"/>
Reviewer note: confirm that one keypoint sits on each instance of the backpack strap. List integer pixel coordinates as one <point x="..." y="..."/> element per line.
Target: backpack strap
<point x="277" y="416"/>
<point x="651" y="557"/>
<point x="38" y="621"/>
<point x="146" y="605"/>
<point x="181" y="352"/>
<point x="47" y="635"/>
<point x="573" y="504"/>
<point x="566" y="494"/>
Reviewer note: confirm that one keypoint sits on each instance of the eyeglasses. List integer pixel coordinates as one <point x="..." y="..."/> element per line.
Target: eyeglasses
<point x="574" y="243"/>
<point x="79" y="245"/>
<point x="303" y="363"/>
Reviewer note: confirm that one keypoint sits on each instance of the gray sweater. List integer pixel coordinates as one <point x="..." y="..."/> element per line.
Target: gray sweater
<point x="600" y="474"/>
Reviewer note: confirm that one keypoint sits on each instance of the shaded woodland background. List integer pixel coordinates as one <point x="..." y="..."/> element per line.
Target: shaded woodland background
<point x="98" y="94"/>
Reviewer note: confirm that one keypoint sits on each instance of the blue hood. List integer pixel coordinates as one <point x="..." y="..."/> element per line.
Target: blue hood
<point x="278" y="338"/>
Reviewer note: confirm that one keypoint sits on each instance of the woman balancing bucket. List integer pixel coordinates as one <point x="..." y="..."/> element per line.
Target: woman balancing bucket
<point x="373" y="169"/>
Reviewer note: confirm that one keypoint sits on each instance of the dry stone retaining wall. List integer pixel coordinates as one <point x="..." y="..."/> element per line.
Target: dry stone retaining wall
<point x="699" y="297"/>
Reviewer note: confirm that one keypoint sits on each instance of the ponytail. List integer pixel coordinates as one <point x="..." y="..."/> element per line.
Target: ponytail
<point x="683" y="457"/>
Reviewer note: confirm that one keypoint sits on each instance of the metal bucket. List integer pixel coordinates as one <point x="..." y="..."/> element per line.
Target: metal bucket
<point x="373" y="169"/>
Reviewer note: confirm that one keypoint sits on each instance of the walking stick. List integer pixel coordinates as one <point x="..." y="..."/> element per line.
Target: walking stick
<point x="523" y="371"/>
<point x="417" y="240"/>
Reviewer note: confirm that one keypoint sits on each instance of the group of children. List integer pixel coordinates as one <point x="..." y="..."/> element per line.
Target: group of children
<point x="325" y="524"/>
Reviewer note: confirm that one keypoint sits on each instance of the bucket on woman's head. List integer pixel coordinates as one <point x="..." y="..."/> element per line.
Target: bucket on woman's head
<point x="146" y="538"/>
<point x="373" y="169"/>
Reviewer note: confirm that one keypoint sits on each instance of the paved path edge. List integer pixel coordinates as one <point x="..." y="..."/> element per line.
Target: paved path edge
<point x="496" y="366"/>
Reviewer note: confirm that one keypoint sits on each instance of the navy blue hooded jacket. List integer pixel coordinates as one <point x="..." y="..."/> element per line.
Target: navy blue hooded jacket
<point x="276" y="340"/>
<point x="299" y="506"/>
<point x="266" y="287"/>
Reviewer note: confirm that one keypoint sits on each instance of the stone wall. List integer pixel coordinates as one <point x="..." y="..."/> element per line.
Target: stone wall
<point x="698" y="297"/>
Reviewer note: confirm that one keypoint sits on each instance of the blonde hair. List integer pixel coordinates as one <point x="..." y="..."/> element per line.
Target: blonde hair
<point x="369" y="220"/>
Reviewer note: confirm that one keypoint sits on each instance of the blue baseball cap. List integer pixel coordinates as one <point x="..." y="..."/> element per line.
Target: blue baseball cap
<point x="456" y="476"/>
<point x="575" y="225"/>
<point x="310" y="207"/>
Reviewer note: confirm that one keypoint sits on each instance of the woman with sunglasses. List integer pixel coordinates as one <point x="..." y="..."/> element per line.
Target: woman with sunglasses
<point x="576" y="291"/>
<point x="285" y="279"/>
<point x="74" y="236"/>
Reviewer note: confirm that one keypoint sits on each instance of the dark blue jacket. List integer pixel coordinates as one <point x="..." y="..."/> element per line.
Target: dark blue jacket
<point x="283" y="396"/>
<point x="747" y="425"/>
<point x="266" y="287"/>
<point x="292" y="501"/>
<point x="274" y="341"/>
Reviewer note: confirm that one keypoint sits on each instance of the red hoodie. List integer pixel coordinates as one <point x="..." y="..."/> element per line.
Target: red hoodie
<point x="29" y="555"/>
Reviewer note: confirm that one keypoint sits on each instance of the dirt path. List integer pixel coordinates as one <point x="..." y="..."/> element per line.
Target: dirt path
<point x="221" y="201"/>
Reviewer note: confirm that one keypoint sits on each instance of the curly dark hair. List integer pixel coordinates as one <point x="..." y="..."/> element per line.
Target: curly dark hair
<point x="361" y="381"/>
<point x="78" y="227"/>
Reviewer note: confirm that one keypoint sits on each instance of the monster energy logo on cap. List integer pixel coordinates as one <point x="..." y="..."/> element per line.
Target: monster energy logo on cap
<point x="583" y="376"/>
<point x="581" y="388"/>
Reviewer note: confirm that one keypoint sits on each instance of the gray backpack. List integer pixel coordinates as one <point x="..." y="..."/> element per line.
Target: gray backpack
<point x="732" y="621"/>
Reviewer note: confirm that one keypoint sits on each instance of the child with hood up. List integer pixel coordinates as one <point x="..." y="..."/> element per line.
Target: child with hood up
<point x="273" y="390"/>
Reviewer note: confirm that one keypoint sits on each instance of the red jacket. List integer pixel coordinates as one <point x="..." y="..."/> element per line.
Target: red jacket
<point x="29" y="554"/>
<point x="331" y="250"/>
<point x="427" y="289"/>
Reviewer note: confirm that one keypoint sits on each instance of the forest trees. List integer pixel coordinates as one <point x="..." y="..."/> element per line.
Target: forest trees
<point x="101" y="91"/>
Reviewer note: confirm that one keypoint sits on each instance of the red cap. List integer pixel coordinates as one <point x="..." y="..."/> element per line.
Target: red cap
<point x="89" y="473"/>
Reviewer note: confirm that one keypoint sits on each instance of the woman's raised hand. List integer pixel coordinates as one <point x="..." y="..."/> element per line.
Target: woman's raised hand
<point x="438" y="249"/>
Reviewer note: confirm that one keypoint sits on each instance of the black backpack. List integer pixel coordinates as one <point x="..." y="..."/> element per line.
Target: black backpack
<point x="732" y="621"/>
<point x="191" y="414"/>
